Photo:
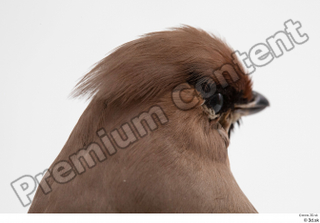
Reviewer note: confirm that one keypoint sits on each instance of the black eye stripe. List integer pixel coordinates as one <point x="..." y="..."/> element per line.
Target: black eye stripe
<point x="205" y="87"/>
<point x="208" y="88"/>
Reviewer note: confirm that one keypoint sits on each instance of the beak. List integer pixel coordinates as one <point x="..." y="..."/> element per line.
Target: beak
<point x="258" y="104"/>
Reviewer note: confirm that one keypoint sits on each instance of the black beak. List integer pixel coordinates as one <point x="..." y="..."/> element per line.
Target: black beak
<point x="258" y="103"/>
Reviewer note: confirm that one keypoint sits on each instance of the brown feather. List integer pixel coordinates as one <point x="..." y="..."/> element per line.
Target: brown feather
<point x="183" y="165"/>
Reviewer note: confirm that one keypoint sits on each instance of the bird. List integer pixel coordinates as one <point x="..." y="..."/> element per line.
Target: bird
<point x="154" y="137"/>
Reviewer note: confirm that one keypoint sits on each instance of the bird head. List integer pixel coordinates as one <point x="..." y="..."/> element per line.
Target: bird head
<point x="192" y="75"/>
<point x="184" y="76"/>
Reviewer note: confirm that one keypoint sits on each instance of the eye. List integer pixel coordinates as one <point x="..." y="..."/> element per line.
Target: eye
<point x="216" y="102"/>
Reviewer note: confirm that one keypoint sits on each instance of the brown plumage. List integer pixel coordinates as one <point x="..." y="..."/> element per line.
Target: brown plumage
<point x="182" y="166"/>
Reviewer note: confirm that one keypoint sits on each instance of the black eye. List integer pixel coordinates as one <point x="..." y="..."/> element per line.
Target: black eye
<point x="216" y="102"/>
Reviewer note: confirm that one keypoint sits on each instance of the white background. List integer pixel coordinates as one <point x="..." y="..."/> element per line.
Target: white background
<point x="46" y="46"/>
